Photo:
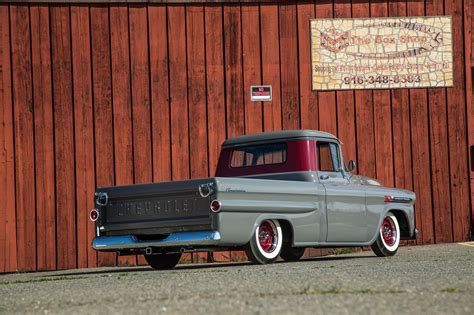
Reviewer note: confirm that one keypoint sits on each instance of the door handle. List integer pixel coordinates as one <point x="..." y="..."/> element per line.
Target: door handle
<point x="324" y="177"/>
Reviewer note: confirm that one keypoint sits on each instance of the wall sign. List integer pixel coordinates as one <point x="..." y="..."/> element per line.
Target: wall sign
<point x="260" y="93"/>
<point x="380" y="53"/>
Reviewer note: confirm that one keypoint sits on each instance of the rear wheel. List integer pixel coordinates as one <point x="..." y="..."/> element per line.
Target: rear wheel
<point x="266" y="242"/>
<point x="389" y="237"/>
<point x="289" y="253"/>
<point x="163" y="261"/>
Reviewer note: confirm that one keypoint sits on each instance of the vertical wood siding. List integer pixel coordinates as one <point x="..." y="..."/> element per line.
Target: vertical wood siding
<point x="113" y="94"/>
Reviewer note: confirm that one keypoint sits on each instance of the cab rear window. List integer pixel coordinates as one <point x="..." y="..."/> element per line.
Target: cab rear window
<point x="255" y="155"/>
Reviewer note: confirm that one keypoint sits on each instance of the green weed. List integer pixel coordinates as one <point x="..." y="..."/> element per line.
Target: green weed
<point x="308" y="290"/>
<point x="342" y="251"/>
<point x="451" y="290"/>
<point x="62" y="278"/>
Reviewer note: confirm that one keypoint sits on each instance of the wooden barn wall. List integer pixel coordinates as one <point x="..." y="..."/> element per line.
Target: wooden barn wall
<point x="105" y="94"/>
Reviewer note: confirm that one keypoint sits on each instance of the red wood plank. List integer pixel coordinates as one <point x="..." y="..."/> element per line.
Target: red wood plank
<point x="364" y="114"/>
<point x="178" y="92"/>
<point x="382" y="117"/>
<point x="178" y="96"/>
<point x="289" y="66"/>
<point x="401" y="127"/>
<point x="469" y="8"/>
<point x="157" y="32"/>
<point x="308" y="98"/>
<point x="215" y="93"/>
<point x="215" y="83"/>
<point x="197" y="90"/>
<point x="197" y="97"/>
<point x="141" y="111"/>
<point x="122" y="107"/>
<point x="44" y="138"/>
<point x="83" y="112"/>
<point x="140" y="93"/>
<point x="469" y="62"/>
<point x="421" y="155"/>
<point x="401" y="123"/>
<point x="233" y="75"/>
<point x="24" y="146"/>
<point x="345" y="101"/>
<point x="457" y="129"/>
<point x="103" y="118"/>
<point x="326" y="100"/>
<point x="8" y="240"/>
<point x="84" y="134"/>
<point x="233" y="70"/>
<point x="251" y="64"/>
<point x="269" y="28"/>
<point x="64" y="136"/>
<point x="441" y="195"/>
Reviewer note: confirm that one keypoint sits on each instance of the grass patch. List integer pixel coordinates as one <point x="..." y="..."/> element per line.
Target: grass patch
<point x="63" y="278"/>
<point x="215" y="270"/>
<point x="324" y="267"/>
<point x="342" y="251"/>
<point x="451" y="290"/>
<point x="2" y="309"/>
<point x="308" y="290"/>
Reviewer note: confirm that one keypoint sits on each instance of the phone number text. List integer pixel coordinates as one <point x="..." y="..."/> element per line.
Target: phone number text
<point x="382" y="79"/>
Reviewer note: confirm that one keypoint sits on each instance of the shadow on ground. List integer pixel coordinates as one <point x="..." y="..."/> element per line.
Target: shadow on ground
<point x="196" y="266"/>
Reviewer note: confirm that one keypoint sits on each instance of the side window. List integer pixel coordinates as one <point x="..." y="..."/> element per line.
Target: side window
<point x="328" y="157"/>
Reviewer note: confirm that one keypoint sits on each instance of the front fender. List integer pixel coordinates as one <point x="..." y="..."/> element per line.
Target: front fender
<point x="407" y="211"/>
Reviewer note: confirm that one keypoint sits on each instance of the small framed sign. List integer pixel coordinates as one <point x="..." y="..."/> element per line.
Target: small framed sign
<point x="259" y="93"/>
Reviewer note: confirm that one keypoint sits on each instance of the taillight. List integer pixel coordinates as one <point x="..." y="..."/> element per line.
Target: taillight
<point x="216" y="206"/>
<point x="94" y="215"/>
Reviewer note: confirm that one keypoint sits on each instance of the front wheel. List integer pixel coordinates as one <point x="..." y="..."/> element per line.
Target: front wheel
<point x="389" y="237"/>
<point x="163" y="261"/>
<point x="265" y="244"/>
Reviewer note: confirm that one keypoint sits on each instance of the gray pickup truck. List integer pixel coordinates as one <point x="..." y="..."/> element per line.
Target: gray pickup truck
<point x="274" y="194"/>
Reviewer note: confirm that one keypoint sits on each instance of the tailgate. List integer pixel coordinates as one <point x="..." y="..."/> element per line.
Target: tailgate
<point x="157" y="208"/>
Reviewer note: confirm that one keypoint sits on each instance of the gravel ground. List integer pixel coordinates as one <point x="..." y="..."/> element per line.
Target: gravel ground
<point x="432" y="279"/>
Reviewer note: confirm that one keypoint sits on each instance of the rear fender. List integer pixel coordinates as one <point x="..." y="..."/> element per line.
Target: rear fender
<point x="237" y="228"/>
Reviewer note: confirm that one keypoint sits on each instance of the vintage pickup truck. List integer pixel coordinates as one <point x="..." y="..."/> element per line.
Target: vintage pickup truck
<point x="274" y="194"/>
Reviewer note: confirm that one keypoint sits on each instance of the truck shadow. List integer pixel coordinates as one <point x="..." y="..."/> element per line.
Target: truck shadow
<point x="122" y="270"/>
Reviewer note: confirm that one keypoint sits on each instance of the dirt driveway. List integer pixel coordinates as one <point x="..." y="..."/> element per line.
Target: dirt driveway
<point x="424" y="279"/>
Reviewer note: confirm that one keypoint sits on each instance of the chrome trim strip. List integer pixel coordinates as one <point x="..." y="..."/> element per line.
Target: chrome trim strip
<point x="174" y="239"/>
<point x="395" y="199"/>
<point x="276" y="206"/>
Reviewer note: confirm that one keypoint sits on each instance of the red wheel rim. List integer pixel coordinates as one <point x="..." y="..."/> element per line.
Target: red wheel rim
<point x="267" y="236"/>
<point x="388" y="231"/>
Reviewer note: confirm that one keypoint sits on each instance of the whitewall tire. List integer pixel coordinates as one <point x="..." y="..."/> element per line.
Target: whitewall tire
<point x="388" y="238"/>
<point x="266" y="242"/>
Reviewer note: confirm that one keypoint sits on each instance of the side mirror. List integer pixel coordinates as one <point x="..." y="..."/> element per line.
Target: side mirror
<point x="352" y="165"/>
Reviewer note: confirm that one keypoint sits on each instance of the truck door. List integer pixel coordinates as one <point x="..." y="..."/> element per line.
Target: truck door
<point x="345" y="202"/>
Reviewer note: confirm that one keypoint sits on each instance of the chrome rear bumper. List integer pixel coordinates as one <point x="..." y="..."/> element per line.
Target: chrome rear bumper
<point x="174" y="239"/>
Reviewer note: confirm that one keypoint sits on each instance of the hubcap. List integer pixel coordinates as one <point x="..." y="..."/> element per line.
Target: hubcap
<point x="389" y="231"/>
<point x="267" y="236"/>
